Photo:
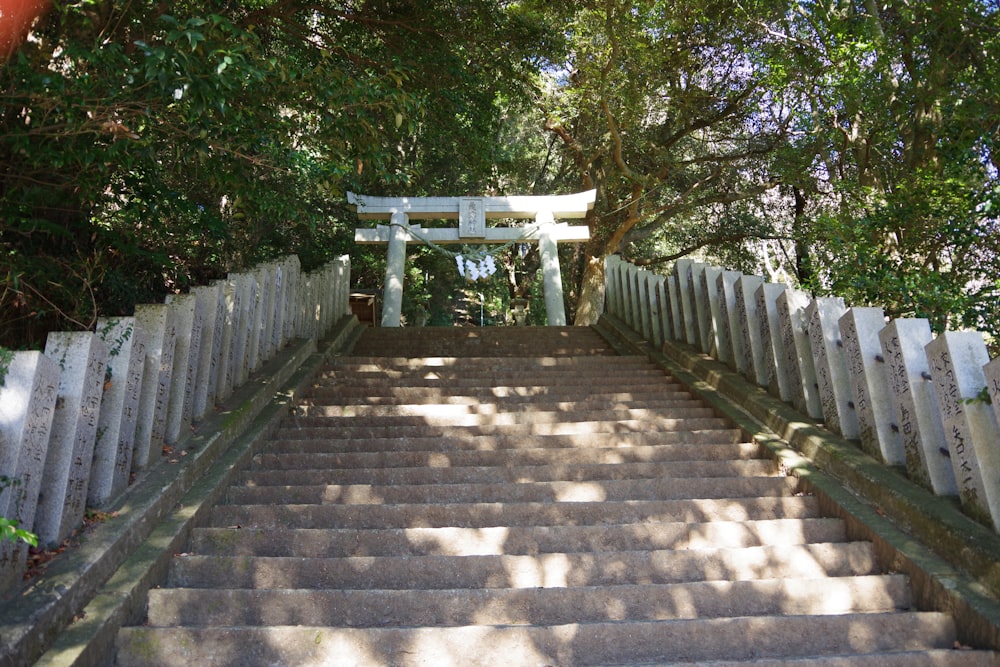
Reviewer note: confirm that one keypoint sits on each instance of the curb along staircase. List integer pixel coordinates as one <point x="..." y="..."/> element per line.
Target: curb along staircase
<point x="522" y="496"/>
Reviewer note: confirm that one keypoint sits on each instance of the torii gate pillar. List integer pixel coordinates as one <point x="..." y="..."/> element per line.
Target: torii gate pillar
<point x="472" y="213"/>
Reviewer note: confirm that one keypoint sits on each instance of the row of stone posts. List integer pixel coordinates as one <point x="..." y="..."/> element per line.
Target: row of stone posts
<point x="77" y="420"/>
<point x="928" y="403"/>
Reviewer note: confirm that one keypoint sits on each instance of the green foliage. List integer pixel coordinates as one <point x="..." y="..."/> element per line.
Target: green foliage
<point x="9" y="527"/>
<point x="142" y="151"/>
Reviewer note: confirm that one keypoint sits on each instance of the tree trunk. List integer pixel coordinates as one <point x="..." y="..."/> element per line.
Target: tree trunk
<point x="591" y="303"/>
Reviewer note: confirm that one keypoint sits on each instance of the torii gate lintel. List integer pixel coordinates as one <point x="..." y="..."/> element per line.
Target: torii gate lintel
<point x="472" y="213"/>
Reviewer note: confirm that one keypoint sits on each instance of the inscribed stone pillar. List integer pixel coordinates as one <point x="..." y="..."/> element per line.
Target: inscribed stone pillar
<point x="256" y="350"/>
<point x="395" y="269"/>
<point x="749" y="328"/>
<point x="555" y="310"/>
<point x="82" y="359"/>
<point x="800" y="373"/>
<point x="859" y="329"/>
<point x="710" y="295"/>
<point x="203" y="337"/>
<point x="918" y="419"/>
<point x="956" y="360"/>
<point x="646" y="304"/>
<point x="992" y="372"/>
<point x="240" y="283"/>
<point x="729" y="335"/>
<point x="666" y="320"/>
<point x="126" y="343"/>
<point x="682" y="272"/>
<point x="654" y="286"/>
<point x="27" y="405"/>
<point x="182" y="315"/>
<point x="822" y="318"/>
<point x="293" y="270"/>
<point x="344" y="285"/>
<point x="218" y="349"/>
<point x="770" y="339"/>
<point x="151" y="420"/>
<point x="611" y="263"/>
<point x="631" y="307"/>
<point x="674" y="306"/>
<point x="702" y="315"/>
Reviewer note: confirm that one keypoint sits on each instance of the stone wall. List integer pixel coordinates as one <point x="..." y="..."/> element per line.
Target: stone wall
<point x="82" y="418"/>
<point x="928" y="404"/>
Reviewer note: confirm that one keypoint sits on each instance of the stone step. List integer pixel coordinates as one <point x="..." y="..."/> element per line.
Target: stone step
<point x="527" y="606"/>
<point x="388" y="427"/>
<point x="490" y="474"/>
<point x="490" y="376"/>
<point x="485" y="515"/>
<point x="611" y="642"/>
<point x="460" y="415"/>
<point x="521" y="492"/>
<point x="928" y="658"/>
<point x="709" y="444"/>
<point x="393" y="394"/>
<point x="516" y="383"/>
<point x="354" y="365"/>
<point x="482" y="408"/>
<point x="611" y="568"/>
<point x="266" y="463"/>
<point x="283" y="540"/>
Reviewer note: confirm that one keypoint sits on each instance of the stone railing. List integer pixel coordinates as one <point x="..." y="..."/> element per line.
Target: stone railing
<point x="928" y="403"/>
<point x="79" y="419"/>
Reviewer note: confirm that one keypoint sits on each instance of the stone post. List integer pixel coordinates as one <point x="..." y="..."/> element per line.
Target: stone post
<point x="241" y="286"/>
<point x="82" y="359"/>
<point x="182" y="315"/>
<point x="992" y="373"/>
<point x="611" y="263"/>
<point x="917" y="417"/>
<point x="674" y="306"/>
<point x="205" y="308"/>
<point x="702" y="314"/>
<point x="749" y="328"/>
<point x="770" y="339"/>
<point x="859" y="329"/>
<point x="631" y="299"/>
<point x="555" y="310"/>
<point x="151" y="420"/>
<point x="822" y="317"/>
<point x="126" y="343"/>
<point x="713" y="313"/>
<point x="221" y="338"/>
<point x="646" y="304"/>
<point x="731" y="350"/>
<point x="682" y="272"/>
<point x="666" y="319"/>
<point x="27" y="405"/>
<point x="255" y="321"/>
<point x="956" y="360"/>
<point x="344" y="285"/>
<point x="395" y="270"/>
<point x="654" y="287"/>
<point x="800" y="373"/>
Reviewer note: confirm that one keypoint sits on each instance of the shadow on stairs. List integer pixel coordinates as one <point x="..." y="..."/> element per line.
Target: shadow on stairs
<point x="523" y="496"/>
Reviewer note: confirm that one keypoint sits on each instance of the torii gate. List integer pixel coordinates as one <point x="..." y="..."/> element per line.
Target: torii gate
<point x="472" y="213"/>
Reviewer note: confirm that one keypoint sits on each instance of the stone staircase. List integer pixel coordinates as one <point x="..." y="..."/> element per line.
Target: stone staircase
<point x="522" y="496"/>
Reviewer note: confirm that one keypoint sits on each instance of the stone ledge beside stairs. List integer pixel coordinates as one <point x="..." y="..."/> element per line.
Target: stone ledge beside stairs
<point x="953" y="561"/>
<point x="71" y="614"/>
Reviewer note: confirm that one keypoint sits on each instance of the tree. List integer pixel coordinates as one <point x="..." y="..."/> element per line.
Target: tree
<point x="664" y="109"/>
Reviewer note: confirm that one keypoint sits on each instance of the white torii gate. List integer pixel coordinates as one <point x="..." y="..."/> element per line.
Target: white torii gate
<point x="472" y="213"/>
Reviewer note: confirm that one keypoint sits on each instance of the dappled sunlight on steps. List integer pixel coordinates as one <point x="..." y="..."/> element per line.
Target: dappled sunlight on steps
<point x="522" y="497"/>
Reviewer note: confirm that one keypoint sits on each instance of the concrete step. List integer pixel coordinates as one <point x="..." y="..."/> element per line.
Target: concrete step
<point x="396" y="395"/>
<point x="520" y="492"/>
<point x="611" y="642"/>
<point x="447" y="393"/>
<point x="491" y="474"/>
<point x="466" y="458"/>
<point x="561" y="569"/>
<point x="485" y="515"/>
<point x="526" y="606"/>
<point x="359" y="364"/>
<point x="282" y="540"/>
